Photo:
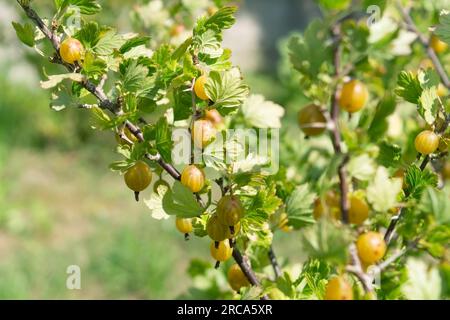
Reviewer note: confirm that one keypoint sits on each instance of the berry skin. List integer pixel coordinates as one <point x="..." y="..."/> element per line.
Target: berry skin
<point x="328" y="208"/>
<point x="311" y="120"/>
<point x="229" y="210"/>
<point x="353" y="96"/>
<point x="358" y="210"/>
<point x="193" y="178"/>
<point x="371" y="247"/>
<point x="184" y="225"/>
<point x="437" y="45"/>
<point x="216" y="230"/>
<point x="138" y="177"/>
<point x="71" y="50"/>
<point x="214" y="116"/>
<point x="223" y="251"/>
<point x="442" y="90"/>
<point x="199" y="87"/>
<point x="426" y="142"/>
<point x="237" y="278"/>
<point x="338" y="288"/>
<point x="203" y="133"/>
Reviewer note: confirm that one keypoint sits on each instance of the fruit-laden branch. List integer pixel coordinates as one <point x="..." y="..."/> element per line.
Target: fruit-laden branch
<point x="335" y="134"/>
<point x="424" y="41"/>
<point x="445" y="80"/>
<point x="106" y="103"/>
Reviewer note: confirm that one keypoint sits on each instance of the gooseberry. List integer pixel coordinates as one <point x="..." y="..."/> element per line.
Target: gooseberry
<point x="312" y="120"/>
<point x="426" y="142"/>
<point x="371" y="247"/>
<point x="71" y="50"/>
<point x="193" y="178"/>
<point x="353" y="96"/>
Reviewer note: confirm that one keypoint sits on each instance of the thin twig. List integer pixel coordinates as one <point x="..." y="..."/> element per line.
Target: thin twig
<point x="274" y="262"/>
<point x="335" y="133"/>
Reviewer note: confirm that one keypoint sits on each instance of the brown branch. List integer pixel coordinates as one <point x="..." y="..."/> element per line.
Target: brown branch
<point x="106" y="103"/>
<point x="426" y="44"/>
<point x="274" y="262"/>
<point x="356" y="268"/>
<point x="335" y="133"/>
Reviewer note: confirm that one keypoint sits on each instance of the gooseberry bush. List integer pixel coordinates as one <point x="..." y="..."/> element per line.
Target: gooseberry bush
<point x="361" y="189"/>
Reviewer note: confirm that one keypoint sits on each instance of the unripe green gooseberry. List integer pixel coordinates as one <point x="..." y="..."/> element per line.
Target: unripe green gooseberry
<point x="216" y="230"/>
<point x="229" y="210"/>
<point x="138" y="177"/>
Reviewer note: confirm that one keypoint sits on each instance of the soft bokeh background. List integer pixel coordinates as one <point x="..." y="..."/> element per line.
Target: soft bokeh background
<point x="60" y="205"/>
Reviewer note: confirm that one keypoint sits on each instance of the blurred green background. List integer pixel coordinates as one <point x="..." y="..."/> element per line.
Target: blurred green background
<point x="60" y="205"/>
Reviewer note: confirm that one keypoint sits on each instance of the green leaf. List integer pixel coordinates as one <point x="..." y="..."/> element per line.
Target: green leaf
<point x="389" y="154"/>
<point x="133" y="43"/>
<point x="133" y="75"/>
<point x="108" y="42"/>
<point x="93" y="66"/>
<point x="226" y="89"/>
<point x="260" y="113"/>
<point x="181" y="202"/>
<point x="379" y="124"/>
<point x="310" y="52"/>
<point x="437" y="240"/>
<point x="417" y="181"/>
<point x="299" y="207"/>
<point x="443" y="29"/>
<point x="382" y="191"/>
<point x="361" y="167"/>
<point x="25" y="33"/>
<point x="61" y="99"/>
<point x="163" y="139"/>
<point x="54" y="80"/>
<point x="334" y="4"/>
<point x="155" y="203"/>
<point x="208" y="43"/>
<point x="437" y="203"/>
<point x="408" y="87"/>
<point x="424" y="282"/>
<point x="221" y="20"/>
<point x="325" y="241"/>
<point x="313" y="279"/>
<point x="88" y="34"/>
<point x="429" y="105"/>
<point x="87" y="7"/>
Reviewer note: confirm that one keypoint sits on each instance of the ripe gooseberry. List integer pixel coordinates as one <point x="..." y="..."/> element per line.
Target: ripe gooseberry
<point x="199" y="87"/>
<point x="138" y="177"/>
<point x="353" y="96"/>
<point x="71" y="50"/>
<point x="222" y="252"/>
<point x="184" y="225"/>
<point x="330" y="207"/>
<point x="229" y="211"/>
<point x="371" y="247"/>
<point x="338" y="288"/>
<point x="193" y="178"/>
<point x="203" y="133"/>
<point x="426" y="142"/>
<point x="312" y="120"/>
<point x="437" y="45"/>
<point x="216" y="230"/>
<point x="237" y="278"/>
<point x="358" y="210"/>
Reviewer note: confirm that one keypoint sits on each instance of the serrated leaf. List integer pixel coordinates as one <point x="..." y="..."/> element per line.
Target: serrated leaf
<point x="87" y="7"/>
<point x="443" y="29"/>
<point x="61" y="99"/>
<point x="208" y="43"/>
<point x="54" y="80"/>
<point x="25" y="33"/>
<point x="424" y="282"/>
<point x="88" y="34"/>
<point x="226" y="89"/>
<point x="379" y="124"/>
<point x="408" y="87"/>
<point x="261" y="113"/>
<point x="325" y="241"/>
<point x="428" y="106"/>
<point x="436" y="202"/>
<point x="181" y="202"/>
<point x="417" y="181"/>
<point x="108" y="42"/>
<point x="361" y="167"/>
<point x="133" y="76"/>
<point x="163" y="139"/>
<point x="133" y="43"/>
<point x="155" y="204"/>
<point x="382" y="191"/>
<point x="299" y="207"/>
<point x="389" y="154"/>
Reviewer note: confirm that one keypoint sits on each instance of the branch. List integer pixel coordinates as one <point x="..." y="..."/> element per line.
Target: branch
<point x="106" y="103"/>
<point x="424" y="41"/>
<point x="355" y="267"/>
<point x="335" y="134"/>
<point x="274" y="262"/>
